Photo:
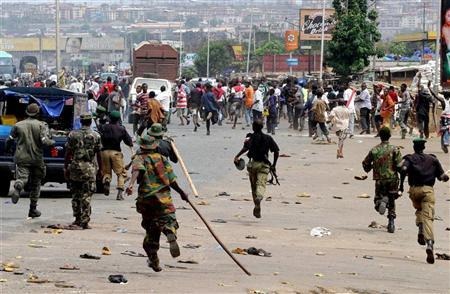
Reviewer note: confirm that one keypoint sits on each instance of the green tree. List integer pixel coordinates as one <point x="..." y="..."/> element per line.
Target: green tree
<point x="272" y="47"/>
<point x="220" y="57"/>
<point x="398" y="48"/>
<point x="354" y="36"/>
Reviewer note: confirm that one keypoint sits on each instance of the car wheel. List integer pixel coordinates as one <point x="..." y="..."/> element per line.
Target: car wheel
<point x="4" y="187"/>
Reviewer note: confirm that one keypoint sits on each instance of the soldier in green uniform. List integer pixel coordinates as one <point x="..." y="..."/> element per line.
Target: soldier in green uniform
<point x="384" y="160"/>
<point x="31" y="135"/>
<point x="82" y="150"/>
<point x="154" y="202"/>
<point x="422" y="171"/>
<point x="258" y="146"/>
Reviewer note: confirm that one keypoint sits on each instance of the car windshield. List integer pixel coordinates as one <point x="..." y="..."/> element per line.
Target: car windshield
<point x="151" y="83"/>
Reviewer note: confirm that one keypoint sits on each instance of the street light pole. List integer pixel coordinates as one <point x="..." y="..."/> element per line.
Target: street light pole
<point x="181" y="49"/>
<point x="249" y="43"/>
<point x="425" y="35"/>
<point x="58" y="56"/>
<point x="322" y="37"/>
<point x="207" y="56"/>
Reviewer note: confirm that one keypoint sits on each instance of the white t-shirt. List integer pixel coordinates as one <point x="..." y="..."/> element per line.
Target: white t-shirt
<point x="76" y="87"/>
<point x="94" y="88"/>
<point x="258" y="101"/>
<point x="347" y="96"/>
<point x="164" y="99"/>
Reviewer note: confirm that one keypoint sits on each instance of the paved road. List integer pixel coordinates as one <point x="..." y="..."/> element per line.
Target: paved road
<point x="299" y="263"/>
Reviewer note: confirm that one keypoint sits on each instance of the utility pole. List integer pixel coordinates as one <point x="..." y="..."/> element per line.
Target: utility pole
<point x="322" y="42"/>
<point x="181" y="49"/>
<point x="249" y="43"/>
<point x="58" y="56"/>
<point x="207" y="56"/>
<point x="425" y="35"/>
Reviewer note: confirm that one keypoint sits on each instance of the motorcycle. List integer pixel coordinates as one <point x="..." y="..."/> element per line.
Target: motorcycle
<point x="444" y="131"/>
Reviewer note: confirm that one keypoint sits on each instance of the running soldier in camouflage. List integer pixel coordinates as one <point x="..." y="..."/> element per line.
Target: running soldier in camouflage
<point x="384" y="160"/>
<point x="155" y="177"/>
<point x="82" y="150"/>
<point x="31" y="135"/>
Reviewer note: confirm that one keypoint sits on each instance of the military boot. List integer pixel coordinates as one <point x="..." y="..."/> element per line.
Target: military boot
<point x="420" y="236"/>
<point x="153" y="262"/>
<point x="15" y="195"/>
<point x="429" y="250"/>
<point x="106" y="185"/>
<point x="119" y="194"/>
<point x="257" y="209"/>
<point x="391" y="225"/>
<point x="382" y="205"/>
<point x="173" y="245"/>
<point x="33" y="212"/>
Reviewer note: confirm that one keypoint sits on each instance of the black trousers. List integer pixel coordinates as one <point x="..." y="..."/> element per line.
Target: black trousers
<point x="365" y="119"/>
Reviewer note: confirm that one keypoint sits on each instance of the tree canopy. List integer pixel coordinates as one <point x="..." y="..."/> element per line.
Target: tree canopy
<point x="220" y="58"/>
<point x="354" y="36"/>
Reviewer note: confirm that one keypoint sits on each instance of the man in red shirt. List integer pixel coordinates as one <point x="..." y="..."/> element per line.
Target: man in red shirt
<point x="108" y="86"/>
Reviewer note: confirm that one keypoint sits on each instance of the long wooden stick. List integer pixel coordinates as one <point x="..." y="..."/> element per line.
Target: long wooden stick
<point x="194" y="190"/>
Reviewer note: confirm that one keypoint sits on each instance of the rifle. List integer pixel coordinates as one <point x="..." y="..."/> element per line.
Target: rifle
<point x="273" y="178"/>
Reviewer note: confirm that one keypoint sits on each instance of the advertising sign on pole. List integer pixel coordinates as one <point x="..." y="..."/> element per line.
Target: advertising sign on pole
<point x="311" y="24"/>
<point x="445" y="44"/>
<point x="291" y="40"/>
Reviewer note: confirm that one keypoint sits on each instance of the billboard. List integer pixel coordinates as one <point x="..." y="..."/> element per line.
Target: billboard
<point x="311" y="24"/>
<point x="238" y="52"/>
<point x="445" y="44"/>
<point x="290" y="40"/>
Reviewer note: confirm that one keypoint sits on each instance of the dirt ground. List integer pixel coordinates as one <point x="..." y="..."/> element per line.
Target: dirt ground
<point x="317" y="190"/>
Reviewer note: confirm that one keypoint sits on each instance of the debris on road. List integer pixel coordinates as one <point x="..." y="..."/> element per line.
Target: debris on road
<point x="368" y="256"/>
<point x="438" y="218"/>
<point x="337" y="197"/>
<point x="183" y="208"/>
<point x="175" y="266"/>
<point x="219" y="220"/>
<point x="188" y="261"/>
<point x="442" y="256"/>
<point x="121" y="230"/>
<point x="350" y="274"/>
<point x="258" y="252"/>
<point x="3" y="280"/>
<point x="192" y="246"/>
<point x="252" y="251"/>
<point x="447" y="229"/>
<point x="345" y="183"/>
<point x="250" y="237"/>
<point x="69" y="267"/>
<point x="32" y="245"/>
<point x="32" y="278"/>
<point x="53" y="231"/>
<point x="64" y="227"/>
<point x="239" y="251"/>
<point x="320" y="253"/>
<point x="290" y="229"/>
<point x="64" y="285"/>
<point x="319" y="275"/>
<point x="365" y="196"/>
<point x="284" y="155"/>
<point x="376" y="225"/>
<point x="224" y="194"/>
<point x="269" y="199"/>
<point x="304" y="195"/>
<point x="285" y="202"/>
<point x="106" y="251"/>
<point x="89" y="256"/>
<point x="118" y="279"/>
<point x="361" y="178"/>
<point x="133" y="253"/>
<point x="320" y="232"/>
<point x="122" y="218"/>
<point x="202" y="203"/>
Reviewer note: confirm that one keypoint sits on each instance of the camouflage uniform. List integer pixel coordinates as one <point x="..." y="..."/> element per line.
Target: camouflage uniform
<point x="32" y="136"/>
<point x="384" y="159"/>
<point x="154" y="201"/>
<point x="83" y="144"/>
